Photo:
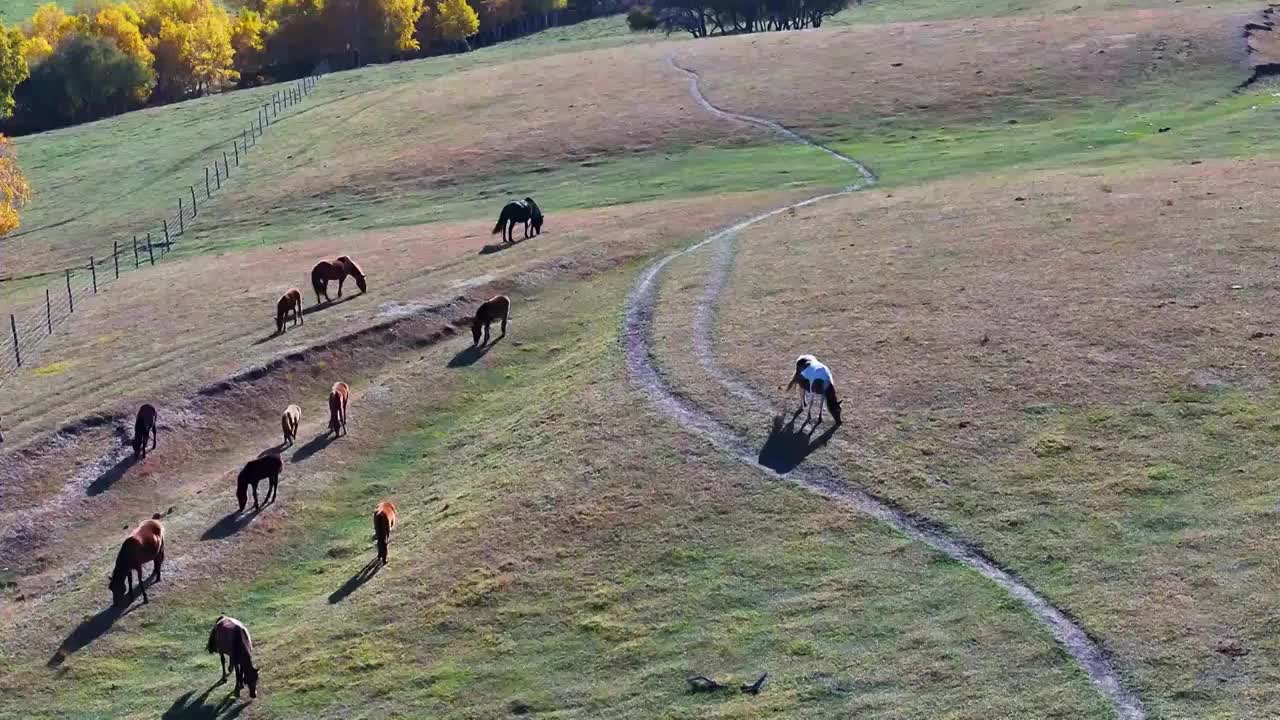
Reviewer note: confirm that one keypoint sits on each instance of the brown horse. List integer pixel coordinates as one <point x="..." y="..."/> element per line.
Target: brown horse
<point x="144" y="545"/>
<point x="337" y="269"/>
<point x="289" y="302"/>
<point x="255" y="471"/>
<point x="289" y="424"/>
<point x="384" y="521"/>
<point x="495" y="308"/>
<point x="338" y="397"/>
<point x="144" y="425"/>
<point x="229" y="636"/>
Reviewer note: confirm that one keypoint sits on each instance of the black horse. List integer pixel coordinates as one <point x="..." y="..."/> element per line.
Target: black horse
<point x="519" y="211"/>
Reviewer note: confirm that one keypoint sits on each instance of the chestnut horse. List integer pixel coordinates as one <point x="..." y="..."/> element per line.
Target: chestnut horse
<point x="495" y="308"/>
<point x="384" y="521"/>
<point x="144" y="425"/>
<point x="229" y="636"/>
<point x="289" y="302"/>
<point x="289" y="424"/>
<point x="144" y="545"/>
<point x="337" y="269"/>
<point x="338" y="408"/>
<point x="255" y="471"/>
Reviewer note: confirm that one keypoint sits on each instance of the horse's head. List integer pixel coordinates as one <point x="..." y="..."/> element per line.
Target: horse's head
<point x="537" y="224"/>
<point x="115" y="583"/>
<point x="139" y="440"/>
<point x="360" y="283"/>
<point x="835" y="411"/>
<point x="250" y="675"/>
<point x="242" y="493"/>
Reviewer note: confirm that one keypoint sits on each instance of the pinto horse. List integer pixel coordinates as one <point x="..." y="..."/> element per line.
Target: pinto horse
<point x="290" y="302"/>
<point x="144" y="425"/>
<point x="495" y="308"/>
<point x="384" y="521"/>
<point x="229" y="636"/>
<point x="816" y="384"/>
<point x="289" y="424"/>
<point x="338" y="397"/>
<point x="263" y="468"/>
<point x="337" y="269"/>
<point x="519" y="211"/>
<point x="144" y="545"/>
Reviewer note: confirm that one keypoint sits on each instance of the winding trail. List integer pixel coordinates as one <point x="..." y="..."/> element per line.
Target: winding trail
<point x="636" y="336"/>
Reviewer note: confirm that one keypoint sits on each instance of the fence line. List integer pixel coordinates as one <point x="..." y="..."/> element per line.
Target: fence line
<point x="74" y="285"/>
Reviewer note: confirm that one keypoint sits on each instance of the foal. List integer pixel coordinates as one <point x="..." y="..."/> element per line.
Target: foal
<point x="290" y="302"/>
<point x="384" y="521"/>
<point x="289" y="424"/>
<point x="143" y="425"/>
<point x="816" y="384"/>
<point x="338" y="408"/>
<point x="495" y="308"/>
<point x="255" y="471"/>
<point x="144" y="545"/>
<point x="230" y="637"/>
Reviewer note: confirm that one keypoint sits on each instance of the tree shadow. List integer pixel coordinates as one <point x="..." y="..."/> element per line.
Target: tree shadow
<point x="470" y="354"/>
<point x="230" y="524"/>
<point x="364" y="575"/>
<point x="91" y="629"/>
<point x="104" y="481"/>
<point x="786" y="447"/>
<point x="313" y="446"/>
<point x="189" y="706"/>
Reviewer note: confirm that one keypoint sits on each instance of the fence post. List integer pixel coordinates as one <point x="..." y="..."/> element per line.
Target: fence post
<point x="226" y="166"/>
<point x="182" y="222"/>
<point x="167" y="241"/>
<point x="207" y="194"/>
<point x="275" y="105"/>
<point x="48" y="310"/>
<point x="13" y="325"/>
<point x="150" y="251"/>
<point x="71" y="300"/>
<point x="136" y="262"/>
<point x="266" y="115"/>
<point x="195" y="209"/>
<point x="115" y="256"/>
<point x="236" y="149"/>
<point x="244" y="140"/>
<point x="217" y="175"/>
<point x="93" y="271"/>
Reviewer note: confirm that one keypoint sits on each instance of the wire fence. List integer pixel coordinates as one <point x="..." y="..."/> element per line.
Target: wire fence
<point x="74" y="286"/>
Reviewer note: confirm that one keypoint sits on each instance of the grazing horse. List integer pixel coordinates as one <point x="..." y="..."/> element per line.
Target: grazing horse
<point x="495" y="308"/>
<point x="144" y="425"/>
<point x="254" y="471"/>
<point x="519" y="211"/>
<point x="384" y="521"/>
<point x="289" y="424"/>
<point x="229" y="636"/>
<point x="144" y="545"/>
<point x="289" y="302"/>
<point x="337" y="269"/>
<point x="338" y="397"/>
<point x="816" y="384"/>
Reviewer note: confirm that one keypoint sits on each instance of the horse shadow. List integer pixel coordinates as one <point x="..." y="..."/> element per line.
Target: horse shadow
<point x="364" y="575"/>
<point x="313" y="446"/>
<point x="189" y="706"/>
<point x="498" y="247"/>
<point x="470" y="354"/>
<point x="104" y="481"/>
<point x="274" y="450"/>
<point x="328" y="304"/>
<point x="788" y="446"/>
<point x="90" y="629"/>
<point x="231" y="523"/>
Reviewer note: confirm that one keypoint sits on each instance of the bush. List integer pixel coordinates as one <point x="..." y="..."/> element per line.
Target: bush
<point x="641" y="19"/>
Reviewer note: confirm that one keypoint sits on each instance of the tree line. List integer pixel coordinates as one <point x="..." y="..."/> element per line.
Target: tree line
<point x="702" y="18"/>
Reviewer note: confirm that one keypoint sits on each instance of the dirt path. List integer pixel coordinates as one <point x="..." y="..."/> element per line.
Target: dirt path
<point x="636" y="334"/>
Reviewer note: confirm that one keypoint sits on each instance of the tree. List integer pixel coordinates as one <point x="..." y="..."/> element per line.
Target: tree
<point x="47" y="27"/>
<point x="121" y="24"/>
<point x="13" y="67"/>
<point x="86" y="77"/>
<point x="191" y="40"/>
<point x="456" y="21"/>
<point x="249" y="32"/>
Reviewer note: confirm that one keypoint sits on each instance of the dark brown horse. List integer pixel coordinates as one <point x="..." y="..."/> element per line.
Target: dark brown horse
<point x="230" y="637"/>
<point x="289" y="423"/>
<point x="255" y="471"/>
<point x="144" y="545"/>
<point x="337" y="269"/>
<point x="290" y="302"/>
<point x="384" y="521"/>
<point x="493" y="309"/>
<point x="519" y="211"/>
<point x="144" y="425"/>
<point x="338" y="397"/>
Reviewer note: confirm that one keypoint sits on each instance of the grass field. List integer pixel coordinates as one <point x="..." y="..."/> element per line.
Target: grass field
<point x="1052" y="336"/>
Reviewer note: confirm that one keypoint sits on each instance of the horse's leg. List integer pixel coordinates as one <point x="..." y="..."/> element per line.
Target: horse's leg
<point x="504" y="326"/>
<point x="255" y="494"/>
<point x="142" y="585"/>
<point x="223" y="658"/>
<point x="155" y="567"/>
<point x="340" y="281"/>
<point x="271" y="493"/>
<point x="239" y="677"/>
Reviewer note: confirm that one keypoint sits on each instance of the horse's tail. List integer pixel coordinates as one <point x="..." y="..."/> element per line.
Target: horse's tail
<point x="502" y="219"/>
<point x="213" y="638"/>
<point x="381" y="530"/>
<point x="317" y="282"/>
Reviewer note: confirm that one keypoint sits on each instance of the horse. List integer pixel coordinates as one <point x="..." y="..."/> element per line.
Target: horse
<point x="291" y="301"/>
<point x="337" y="269"/>
<point x="289" y="424"/>
<point x="144" y="545"/>
<point x="143" y="425"/>
<point x="495" y="308"/>
<point x="384" y="521"/>
<point x="229" y="636"/>
<point x="338" y="397"/>
<point x="354" y="271"/>
<point x="519" y="211"/>
<point x="267" y="467"/>
<point x="815" y="383"/>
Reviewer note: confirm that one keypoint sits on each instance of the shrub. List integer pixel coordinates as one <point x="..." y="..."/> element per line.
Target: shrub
<point x="641" y="19"/>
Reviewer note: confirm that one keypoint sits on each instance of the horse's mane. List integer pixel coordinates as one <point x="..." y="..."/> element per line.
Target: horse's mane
<point x="352" y="267"/>
<point x="535" y="211"/>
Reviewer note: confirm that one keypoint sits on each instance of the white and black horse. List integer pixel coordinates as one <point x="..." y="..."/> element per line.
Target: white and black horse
<point x="519" y="211"/>
<point x="816" y="384"/>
